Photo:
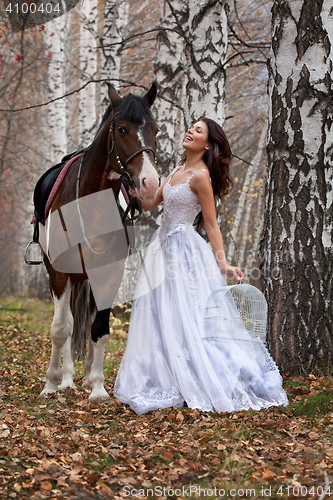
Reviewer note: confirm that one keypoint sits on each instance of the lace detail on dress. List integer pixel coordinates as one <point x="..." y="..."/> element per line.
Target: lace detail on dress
<point x="143" y="400"/>
<point x="177" y="229"/>
<point x="270" y="363"/>
<point x="181" y="206"/>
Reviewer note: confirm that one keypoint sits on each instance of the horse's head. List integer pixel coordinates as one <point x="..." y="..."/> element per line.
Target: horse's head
<point x="133" y="140"/>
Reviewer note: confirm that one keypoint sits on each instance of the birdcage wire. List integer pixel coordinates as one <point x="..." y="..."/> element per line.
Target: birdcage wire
<point x="237" y="312"/>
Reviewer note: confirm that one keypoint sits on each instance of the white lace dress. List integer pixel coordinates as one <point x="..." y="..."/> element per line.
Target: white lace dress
<point x="168" y="360"/>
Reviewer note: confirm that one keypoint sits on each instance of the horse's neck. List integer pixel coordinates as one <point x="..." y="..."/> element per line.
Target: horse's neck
<point x="97" y="170"/>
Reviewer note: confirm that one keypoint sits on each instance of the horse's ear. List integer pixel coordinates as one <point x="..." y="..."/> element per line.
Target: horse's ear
<point x="151" y="94"/>
<point x="113" y="95"/>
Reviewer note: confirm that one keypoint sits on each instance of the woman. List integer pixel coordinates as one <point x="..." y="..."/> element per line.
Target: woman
<point x="170" y="358"/>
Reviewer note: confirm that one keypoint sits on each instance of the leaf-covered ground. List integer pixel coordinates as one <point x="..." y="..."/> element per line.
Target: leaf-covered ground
<point x="61" y="446"/>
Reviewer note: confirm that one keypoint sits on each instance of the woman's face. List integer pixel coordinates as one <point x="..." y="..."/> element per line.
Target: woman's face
<point x="196" y="138"/>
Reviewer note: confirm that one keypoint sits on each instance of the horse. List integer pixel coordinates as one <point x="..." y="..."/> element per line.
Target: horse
<point x="124" y="147"/>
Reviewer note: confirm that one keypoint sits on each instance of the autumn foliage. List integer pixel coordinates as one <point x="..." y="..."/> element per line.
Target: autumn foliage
<point x="61" y="446"/>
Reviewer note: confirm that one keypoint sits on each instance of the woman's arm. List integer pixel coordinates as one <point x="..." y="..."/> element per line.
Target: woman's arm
<point x="150" y="204"/>
<point x="201" y="185"/>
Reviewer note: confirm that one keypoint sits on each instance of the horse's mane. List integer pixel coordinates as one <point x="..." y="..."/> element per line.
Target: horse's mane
<point x="134" y="109"/>
<point x="104" y="119"/>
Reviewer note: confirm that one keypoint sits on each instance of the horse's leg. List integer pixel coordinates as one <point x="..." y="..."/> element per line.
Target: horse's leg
<point x="67" y="371"/>
<point x="100" y="331"/>
<point x="96" y="377"/>
<point x="88" y="364"/>
<point x="61" y="329"/>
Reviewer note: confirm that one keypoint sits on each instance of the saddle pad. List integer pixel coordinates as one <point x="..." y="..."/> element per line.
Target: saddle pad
<point x="55" y="188"/>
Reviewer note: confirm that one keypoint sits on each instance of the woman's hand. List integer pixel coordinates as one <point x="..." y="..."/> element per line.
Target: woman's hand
<point x="134" y="193"/>
<point x="147" y="204"/>
<point x="232" y="272"/>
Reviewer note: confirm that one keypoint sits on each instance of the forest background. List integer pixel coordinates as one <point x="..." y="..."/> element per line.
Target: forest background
<point x="207" y="58"/>
<point x="62" y="58"/>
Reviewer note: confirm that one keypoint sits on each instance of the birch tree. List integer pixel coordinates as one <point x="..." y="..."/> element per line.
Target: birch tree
<point x="192" y="44"/>
<point x="206" y="49"/>
<point x="296" y="248"/>
<point x="170" y="77"/>
<point x="115" y="18"/>
<point x="56" y="78"/>
<point x="246" y="112"/>
<point x="88" y="68"/>
<point x="240" y="231"/>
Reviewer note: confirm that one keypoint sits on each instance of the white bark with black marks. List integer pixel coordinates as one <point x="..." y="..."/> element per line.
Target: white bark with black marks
<point x="296" y="247"/>
<point x="206" y="48"/>
<point x="88" y="67"/>
<point x="191" y="51"/>
<point x="171" y="81"/>
<point x="115" y="19"/>
<point x="56" y="75"/>
<point x="251" y="192"/>
<point x="239" y="233"/>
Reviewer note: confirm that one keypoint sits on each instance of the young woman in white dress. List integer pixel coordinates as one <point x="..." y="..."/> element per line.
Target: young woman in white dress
<point x="168" y="360"/>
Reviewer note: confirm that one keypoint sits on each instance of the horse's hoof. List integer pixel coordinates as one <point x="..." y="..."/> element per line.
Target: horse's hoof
<point x="99" y="397"/>
<point x="86" y="383"/>
<point x="48" y="390"/>
<point x="66" y="385"/>
<point x="46" y="393"/>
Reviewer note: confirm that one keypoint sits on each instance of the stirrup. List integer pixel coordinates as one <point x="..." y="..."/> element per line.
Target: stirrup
<point x="29" y="261"/>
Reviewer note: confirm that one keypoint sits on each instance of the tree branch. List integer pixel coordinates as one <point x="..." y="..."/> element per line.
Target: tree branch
<point x="247" y="62"/>
<point x="124" y="40"/>
<point x="129" y="83"/>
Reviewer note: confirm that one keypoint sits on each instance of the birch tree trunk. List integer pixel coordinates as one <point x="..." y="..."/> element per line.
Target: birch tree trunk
<point x="191" y="51"/>
<point x="115" y="19"/>
<point x="171" y="81"/>
<point x="88" y="67"/>
<point x="206" y="49"/>
<point x="56" y="71"/>
<point x="239" y="233"/>
<point x="296" y="247"/>
<point x="251" y="194"/>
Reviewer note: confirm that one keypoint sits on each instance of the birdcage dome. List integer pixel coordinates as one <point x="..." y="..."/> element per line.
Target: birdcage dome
<point x="236" y="312"/>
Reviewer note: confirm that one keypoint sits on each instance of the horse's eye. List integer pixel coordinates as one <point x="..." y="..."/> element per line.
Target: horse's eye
<point x="121" y="130"/>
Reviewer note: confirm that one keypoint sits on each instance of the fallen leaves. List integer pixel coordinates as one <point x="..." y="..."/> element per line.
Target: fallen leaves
<point x="46" y="485"/>
<point x="268" y="475"/>
<point x="168" y="455"/>
<point x="63" y="445"/>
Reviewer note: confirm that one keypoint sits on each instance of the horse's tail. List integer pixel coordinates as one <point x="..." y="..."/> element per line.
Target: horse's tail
<point x="83" y="310"/>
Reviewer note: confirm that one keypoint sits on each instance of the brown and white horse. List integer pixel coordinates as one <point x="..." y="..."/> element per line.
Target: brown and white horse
<point x="124" y="146"/>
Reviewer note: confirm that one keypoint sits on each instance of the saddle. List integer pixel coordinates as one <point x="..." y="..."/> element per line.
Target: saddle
<point x="47" y="182"/>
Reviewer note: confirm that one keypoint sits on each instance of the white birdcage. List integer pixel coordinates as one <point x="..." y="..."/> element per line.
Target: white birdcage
<point x="237" y="312"/>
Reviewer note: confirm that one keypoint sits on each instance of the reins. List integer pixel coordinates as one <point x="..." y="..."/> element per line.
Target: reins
<point x="77" y="199"/>
<point x="122" y="165"/>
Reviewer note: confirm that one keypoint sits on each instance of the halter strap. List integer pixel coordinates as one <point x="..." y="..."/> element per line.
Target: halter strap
<point x="122" y="164"/>
<point x="136" y="153"/>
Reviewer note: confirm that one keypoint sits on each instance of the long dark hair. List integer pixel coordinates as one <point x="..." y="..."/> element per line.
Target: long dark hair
<point x="217" y="159"/>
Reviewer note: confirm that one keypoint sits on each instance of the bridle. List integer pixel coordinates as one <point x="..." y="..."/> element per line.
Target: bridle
<point x="122" y="164"/>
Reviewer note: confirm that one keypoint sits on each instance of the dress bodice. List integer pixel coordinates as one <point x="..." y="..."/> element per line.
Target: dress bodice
<point x="181" y="206"/>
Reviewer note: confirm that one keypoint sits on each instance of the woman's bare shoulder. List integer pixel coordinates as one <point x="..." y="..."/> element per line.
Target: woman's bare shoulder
<point x="200" y="180"/>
